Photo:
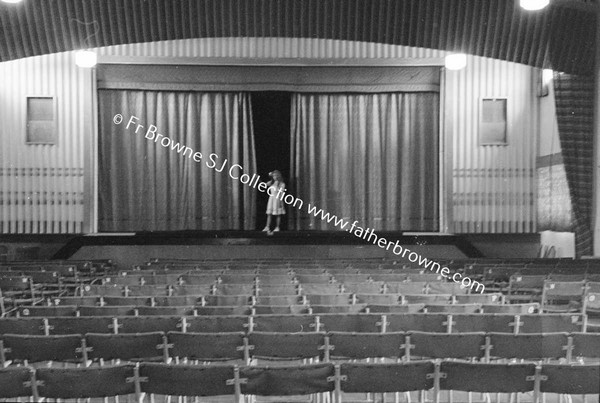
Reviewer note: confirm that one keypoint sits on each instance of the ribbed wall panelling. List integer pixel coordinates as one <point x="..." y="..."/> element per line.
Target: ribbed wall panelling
<point x="41" y="186"/>
<point x="561" y="36"/>
<point x="494" y="186"/>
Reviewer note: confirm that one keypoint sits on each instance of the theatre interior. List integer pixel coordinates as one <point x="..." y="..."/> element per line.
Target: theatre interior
<point x="300" y="201"/>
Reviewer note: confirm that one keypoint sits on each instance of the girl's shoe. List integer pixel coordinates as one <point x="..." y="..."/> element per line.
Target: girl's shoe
<point x="265" y="229"/>
<point x="276" y="229"/>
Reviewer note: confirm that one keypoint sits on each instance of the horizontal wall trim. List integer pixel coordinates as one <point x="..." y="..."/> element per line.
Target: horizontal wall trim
<point x="41" y="171"/>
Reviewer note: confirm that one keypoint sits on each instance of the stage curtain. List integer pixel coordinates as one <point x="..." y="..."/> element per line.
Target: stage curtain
<point x="574" y="98"/>
<point x="367" y="157"/>
<point x="144" y="186"/>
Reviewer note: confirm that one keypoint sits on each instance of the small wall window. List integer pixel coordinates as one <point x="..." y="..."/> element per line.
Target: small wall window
<point x="493" y="126"/>
<point x="41" y="120"/>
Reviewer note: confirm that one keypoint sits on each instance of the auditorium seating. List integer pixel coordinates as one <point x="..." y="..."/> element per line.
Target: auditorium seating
<point x="333" y="327"/>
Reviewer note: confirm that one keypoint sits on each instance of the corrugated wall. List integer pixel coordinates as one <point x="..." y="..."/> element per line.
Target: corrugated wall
<point x="42" y="187"/>
<point x="494" y="188"/>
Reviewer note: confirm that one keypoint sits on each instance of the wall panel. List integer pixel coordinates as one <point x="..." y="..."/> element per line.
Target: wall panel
<point x="42" y="187"/>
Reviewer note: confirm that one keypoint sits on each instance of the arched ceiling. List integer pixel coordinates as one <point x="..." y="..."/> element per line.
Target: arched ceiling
<point x="561" y="36"/>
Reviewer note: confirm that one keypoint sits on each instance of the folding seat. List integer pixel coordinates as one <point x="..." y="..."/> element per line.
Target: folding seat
<point x="424" y="277"/>
<point x="234" y="289"/>
<point x="456" y="308"/>
<point x="328" y="299"/>
<point x="364" y="323"/>
<point x="18" y="288"/>
<point x="15" y="382"/>
<point x="278" y="300"/>
<point x="571" y="379"/>
<point x="319" y="288"/>
<point x="484" y="377"/>
<point x="81" y="325"/>
<point x="366" y="345"/>
<point x="90" y="382"/>
<point x="124" y="280"/>
<point x="363" y="288"/>
<point x="289" y="346"/>
<point x="191" y="290"/>
<point x="388" y="277"/>
<point x="188" y="380"/>
<point x="44" y="311"/>
<point x="418" y="322"/>
<point x="382" y="378"/>
<point x="198" y="279"/>
<point x="127" y="301"/>
<point x="284" y="323"/>
<point x="114" y="290"/>
<point x="412" y="287"/>
<point x="115" y="310"/>
<point x="511" y="309"/>
<point x="31" y="326"/>
<point x="354" y="308"/>
<point x="32" y="348"/>
<point x="162" y="279"/>
<point x="165" y="310"/>
<point x="422" y="345"/>
<point x="484" y="299"/>
<point x="426" y="299"/>
<point x="585" y="345"/>
<point x="76" y="301"/>
<point x="237" y="278"/>
<point x="567" y="277"/>
<point x="146" y="290"/>
<point x="181" y="300"/>
<point x="139" y="346"/>
<point x="207" y="346"/>
<point x="407" y="308"/>
<point x="351" y="278"/>
<point x="539" y="346"/>
<point x="559" y="296"/>
<point x="223" y="310"/>
<point x="462" y="323"/>
<point x="216" y="324"/>
<point x="545" y="323"/>
<point x="274" y="279"/>
<point x="228" y="300"/>
<point x="281" y="289"/>
<point x="439" y="287"/>
<point x="280" y="309"/>
<point x="378" y="299"/>
<point x="307" y="379"/>
<point x="526" y="288"/>
<point x="147" y="324"/>
<point x="313" y="279"/>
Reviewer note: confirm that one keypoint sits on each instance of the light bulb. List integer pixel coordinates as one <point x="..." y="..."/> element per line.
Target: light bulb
<point x="456" y="61"/>
<point x="86" y="58"/>
<point x="533" y="5"/>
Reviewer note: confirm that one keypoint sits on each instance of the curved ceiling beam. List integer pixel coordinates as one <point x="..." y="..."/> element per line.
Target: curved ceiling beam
<point x="560" y="37"/>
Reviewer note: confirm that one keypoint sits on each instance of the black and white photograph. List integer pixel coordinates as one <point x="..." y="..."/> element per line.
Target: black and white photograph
<point x="284" y="201"/>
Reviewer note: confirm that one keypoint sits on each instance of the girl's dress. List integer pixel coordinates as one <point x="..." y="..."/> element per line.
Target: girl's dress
<point x="275" y="205"/>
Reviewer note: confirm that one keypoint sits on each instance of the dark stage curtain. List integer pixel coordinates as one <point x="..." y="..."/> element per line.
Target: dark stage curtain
<point x="574" y="97"/>
<point x="144" y="186"/>
<point x="367" y="157"/>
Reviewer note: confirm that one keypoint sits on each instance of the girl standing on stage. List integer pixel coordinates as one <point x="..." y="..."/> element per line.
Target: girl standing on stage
<point x="275" y="204"/>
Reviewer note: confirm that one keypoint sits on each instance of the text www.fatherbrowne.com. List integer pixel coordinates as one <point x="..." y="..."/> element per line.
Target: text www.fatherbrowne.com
<point x="235" y="172"/>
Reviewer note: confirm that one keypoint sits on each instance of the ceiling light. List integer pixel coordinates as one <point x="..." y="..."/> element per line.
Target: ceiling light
<point x="86" y="58"/>
<point x="547" y="76"/>
<point x="456" y="61"/>
<point x="533" y="5"/>
<point x="11" y="1"/>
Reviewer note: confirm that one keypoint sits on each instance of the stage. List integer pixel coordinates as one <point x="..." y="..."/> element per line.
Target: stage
<point x="127" y="249"/>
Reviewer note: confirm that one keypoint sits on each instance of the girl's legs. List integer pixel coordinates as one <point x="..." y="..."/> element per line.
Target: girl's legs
<point x="268" y="225"/>
<point x="277" y="223"/>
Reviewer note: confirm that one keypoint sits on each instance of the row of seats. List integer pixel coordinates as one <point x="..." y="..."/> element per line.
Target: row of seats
<point x="323" y="378"/>
<point x="363" y="323"/>
<point x="204" y="347"/>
